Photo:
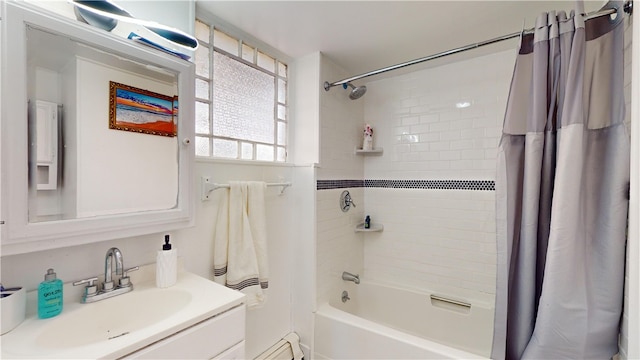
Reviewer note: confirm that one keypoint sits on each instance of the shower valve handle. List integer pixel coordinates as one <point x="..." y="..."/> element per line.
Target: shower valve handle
<point x="349" y="201"/>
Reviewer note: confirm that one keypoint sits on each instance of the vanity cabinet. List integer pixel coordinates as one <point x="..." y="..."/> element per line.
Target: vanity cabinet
<point x="220" y="337"/>
<point x="82" y="155"/>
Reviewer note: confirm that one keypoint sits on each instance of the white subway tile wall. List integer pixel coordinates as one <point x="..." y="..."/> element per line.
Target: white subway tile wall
<point x="439" y="240"/>
<point x="440" y="123"/>
<point x="339" y="247"/>
<point x="341" y="128"/>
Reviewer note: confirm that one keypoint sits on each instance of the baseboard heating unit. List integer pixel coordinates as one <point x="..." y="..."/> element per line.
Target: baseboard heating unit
<point x="286" y="349"/>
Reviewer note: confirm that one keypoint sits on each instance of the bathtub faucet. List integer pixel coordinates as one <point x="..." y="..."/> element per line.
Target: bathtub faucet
<point x="347" y="276"/>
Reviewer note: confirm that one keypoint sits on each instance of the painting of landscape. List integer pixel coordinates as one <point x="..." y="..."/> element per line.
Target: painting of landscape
<point x="138" y="110"/>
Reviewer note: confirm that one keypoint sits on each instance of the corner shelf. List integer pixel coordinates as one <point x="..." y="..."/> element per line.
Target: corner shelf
<point x="373" y="228"/>
<point x="376" y="151"/>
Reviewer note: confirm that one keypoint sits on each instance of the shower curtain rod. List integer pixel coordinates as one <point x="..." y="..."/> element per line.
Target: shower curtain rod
<point x="607" y="9"/>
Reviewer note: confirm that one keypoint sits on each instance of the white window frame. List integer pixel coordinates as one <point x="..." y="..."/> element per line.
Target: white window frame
<point x="246" y="40"/>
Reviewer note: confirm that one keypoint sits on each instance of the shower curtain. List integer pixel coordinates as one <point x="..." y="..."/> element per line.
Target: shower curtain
<point x="561" y="193"/>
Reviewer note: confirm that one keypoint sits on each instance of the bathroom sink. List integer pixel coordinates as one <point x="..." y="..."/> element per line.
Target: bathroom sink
<point x="112" y="318"/>
<point x="116" y="327"/>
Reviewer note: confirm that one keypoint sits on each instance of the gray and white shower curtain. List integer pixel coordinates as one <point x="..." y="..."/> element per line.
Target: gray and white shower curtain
<point x="561" y="193"/>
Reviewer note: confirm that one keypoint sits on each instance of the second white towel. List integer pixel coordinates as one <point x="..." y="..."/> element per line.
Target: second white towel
<point x="240" y="242"/>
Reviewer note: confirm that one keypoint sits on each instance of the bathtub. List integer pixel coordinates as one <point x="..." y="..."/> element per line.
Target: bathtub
<point x="384" y="322"/>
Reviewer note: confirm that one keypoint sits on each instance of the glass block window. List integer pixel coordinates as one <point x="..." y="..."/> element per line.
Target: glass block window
<point x="241" y="99"/>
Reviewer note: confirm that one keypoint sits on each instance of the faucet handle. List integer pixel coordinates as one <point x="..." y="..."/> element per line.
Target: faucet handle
<point x="107" y="286"/>
<point x="91" y="289"/>
<point x="125" y="281"/>
<point x="126" y="272"/>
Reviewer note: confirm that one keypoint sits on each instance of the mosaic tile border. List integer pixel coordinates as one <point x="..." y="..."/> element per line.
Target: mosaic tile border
<point x="338" y="184"/>
<point x="483" y="185"/>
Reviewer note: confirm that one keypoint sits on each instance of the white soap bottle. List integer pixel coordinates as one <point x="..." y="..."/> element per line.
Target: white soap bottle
<point x="166" y="265"/>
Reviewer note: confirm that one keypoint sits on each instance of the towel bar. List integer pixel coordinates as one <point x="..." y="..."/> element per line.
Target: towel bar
<point x="208" y="187"/>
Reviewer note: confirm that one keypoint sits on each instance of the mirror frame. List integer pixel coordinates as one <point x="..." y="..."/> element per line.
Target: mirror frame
<point x="17" y="234"/>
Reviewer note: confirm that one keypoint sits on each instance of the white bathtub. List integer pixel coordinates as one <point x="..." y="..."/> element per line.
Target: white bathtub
<point x="383" y="322"/>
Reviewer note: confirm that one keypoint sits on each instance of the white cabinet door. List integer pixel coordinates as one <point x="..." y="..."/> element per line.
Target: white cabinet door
<point x="204" y="340"/>
<point x="235" y="353"/>
<point x="120" y="180"/>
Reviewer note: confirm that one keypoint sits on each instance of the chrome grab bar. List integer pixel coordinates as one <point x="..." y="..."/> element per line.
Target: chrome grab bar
<point x="450" y="301"/>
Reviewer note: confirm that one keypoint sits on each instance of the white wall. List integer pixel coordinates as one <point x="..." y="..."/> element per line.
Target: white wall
<point x="442" y="240"/>
<point x="148" y="179"/>
<point x="435" y="240"/>
<point x="341" y="127"/>
<point x="303" y="245"/>
<point x="338" y="247"/>
<point x="305" y="144"/>
<point x="424" y="134"/>
<point x="268" y="324"/>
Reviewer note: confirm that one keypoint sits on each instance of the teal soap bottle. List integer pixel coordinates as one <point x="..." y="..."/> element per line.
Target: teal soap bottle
<point x="49" y="296"/>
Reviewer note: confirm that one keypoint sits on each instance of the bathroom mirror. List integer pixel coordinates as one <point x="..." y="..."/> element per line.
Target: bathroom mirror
<point x="92" y="134"/>
<point x="79" y="166"/>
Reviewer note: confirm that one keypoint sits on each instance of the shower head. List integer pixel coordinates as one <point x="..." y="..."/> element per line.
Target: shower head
<point x="356" y="92"/>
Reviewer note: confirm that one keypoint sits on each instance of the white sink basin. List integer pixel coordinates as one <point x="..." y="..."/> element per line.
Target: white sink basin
<point x="112" y="318"/>
<point x="115" y="327"/>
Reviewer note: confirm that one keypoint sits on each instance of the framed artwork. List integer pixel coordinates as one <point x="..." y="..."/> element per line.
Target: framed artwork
<point x="143" y="111"/>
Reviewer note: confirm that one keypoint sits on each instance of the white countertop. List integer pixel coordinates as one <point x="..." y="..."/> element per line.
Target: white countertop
<point x="207" y="299"/>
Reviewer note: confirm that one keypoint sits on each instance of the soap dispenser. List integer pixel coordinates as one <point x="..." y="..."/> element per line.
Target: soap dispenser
<point x="166" y="265"/>
<point x="49" y="296"/>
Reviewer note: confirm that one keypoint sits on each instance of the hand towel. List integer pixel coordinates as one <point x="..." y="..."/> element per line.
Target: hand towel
<point x="221" y="241"/>
<point x="241" y="236"/>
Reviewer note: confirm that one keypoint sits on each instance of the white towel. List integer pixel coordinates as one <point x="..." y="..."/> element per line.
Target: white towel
<point x="221" y="241"/>
<point x="240" y="242"/>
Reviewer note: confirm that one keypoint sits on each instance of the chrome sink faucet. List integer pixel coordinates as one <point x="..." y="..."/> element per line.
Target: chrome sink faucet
<point x="347" y="276"/>
<point x="108" y="259"/>
<point x="91" y="293"/>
